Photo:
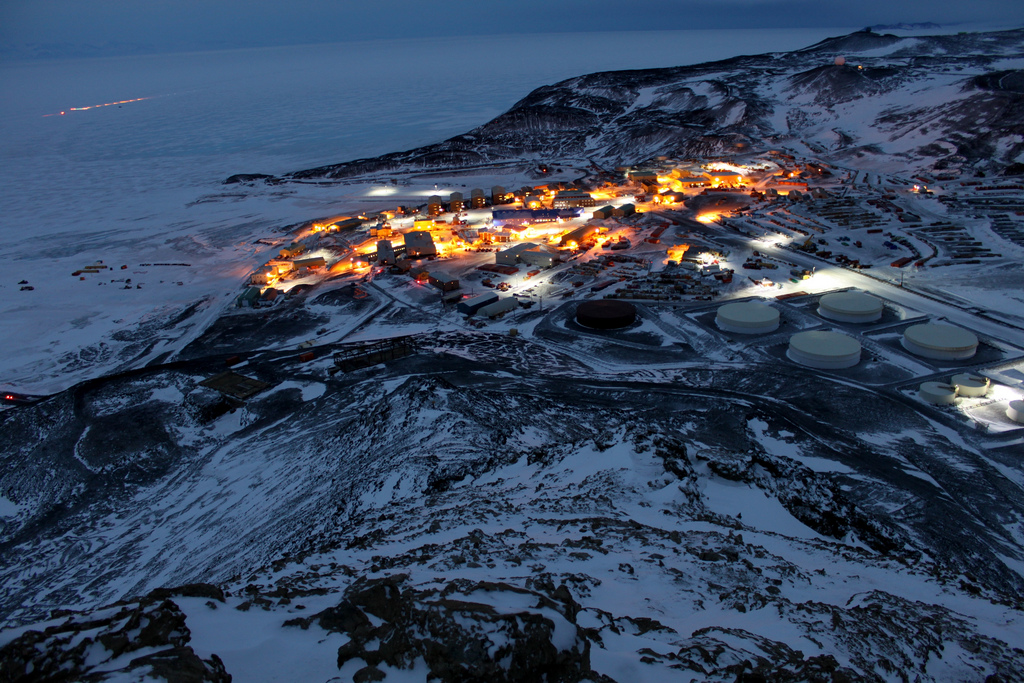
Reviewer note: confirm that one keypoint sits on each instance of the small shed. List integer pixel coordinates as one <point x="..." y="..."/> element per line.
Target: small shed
<point x="443" y="281"/>
<point x="234" y="385"/>
<point x="249" y="297"/>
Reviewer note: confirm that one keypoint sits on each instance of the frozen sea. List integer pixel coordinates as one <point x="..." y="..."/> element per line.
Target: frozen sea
<point x="210" y="115"/>
<point x="142" y="181"/>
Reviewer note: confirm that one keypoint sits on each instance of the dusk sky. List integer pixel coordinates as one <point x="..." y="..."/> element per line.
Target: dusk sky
<point x="126" y="26"/>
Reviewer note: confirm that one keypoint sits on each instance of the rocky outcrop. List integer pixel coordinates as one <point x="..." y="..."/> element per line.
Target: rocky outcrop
<point x="489" y="507"/>
<point x="467" y="631"/>
<point x="147" y="638"/>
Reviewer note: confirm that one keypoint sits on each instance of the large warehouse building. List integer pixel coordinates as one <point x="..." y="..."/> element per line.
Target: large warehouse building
<point x="474" y="304"/>
<point x="850" y="307"/>
<point x="500" y="217"/>
<point x="578" y="236"/>
<point x="499" y="307"/>
<point x="748" y="317"/>
<point x="824" y="350"/>
<point x="939" y="341"/>
<point x="565" y="199"/>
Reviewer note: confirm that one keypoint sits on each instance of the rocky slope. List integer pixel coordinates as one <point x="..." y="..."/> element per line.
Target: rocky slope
<point x="950" y="102"/>
<point x="494" y="507"/>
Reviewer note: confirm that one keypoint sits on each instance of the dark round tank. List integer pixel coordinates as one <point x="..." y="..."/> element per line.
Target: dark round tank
<point x="606" y="314"/>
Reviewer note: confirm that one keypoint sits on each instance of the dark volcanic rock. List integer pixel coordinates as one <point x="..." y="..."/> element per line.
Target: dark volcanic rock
<point x="83" y="648"/>
<point x="247" y="178"/>
<point x="459" y="638"/>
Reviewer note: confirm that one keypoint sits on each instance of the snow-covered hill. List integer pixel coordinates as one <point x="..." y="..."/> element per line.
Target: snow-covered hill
<point x="645" y="506"/>
<point x="898" y="103"/>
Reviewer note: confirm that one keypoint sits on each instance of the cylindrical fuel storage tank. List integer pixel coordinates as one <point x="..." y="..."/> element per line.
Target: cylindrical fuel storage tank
<point x="937" y="393"/>
<point x="942" y="342"/>
<point x="748" y="317"/>
<point x="824" y="350"/>
<point x="850" y="307"/>
<point x="606" y="314"/>
<point x="1015" y="411"/>
<point x="971" y="385"/>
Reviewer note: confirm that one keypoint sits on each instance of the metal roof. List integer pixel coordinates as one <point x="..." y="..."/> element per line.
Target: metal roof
<point x="234" y="385"/>
<point x="500" y="306"/>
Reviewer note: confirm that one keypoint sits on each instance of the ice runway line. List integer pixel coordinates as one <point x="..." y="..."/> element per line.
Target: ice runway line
<point x="97" y="106"/>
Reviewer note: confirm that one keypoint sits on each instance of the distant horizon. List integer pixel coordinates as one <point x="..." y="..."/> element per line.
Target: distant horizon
<point x="63" y="29"/>
<point x="24" y="52"/>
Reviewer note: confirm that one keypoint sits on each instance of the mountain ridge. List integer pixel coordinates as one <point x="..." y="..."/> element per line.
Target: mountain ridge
<point x="754" y="102"/>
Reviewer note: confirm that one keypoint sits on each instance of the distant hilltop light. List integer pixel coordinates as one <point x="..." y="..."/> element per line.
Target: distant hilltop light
<point x="840" y="60"/>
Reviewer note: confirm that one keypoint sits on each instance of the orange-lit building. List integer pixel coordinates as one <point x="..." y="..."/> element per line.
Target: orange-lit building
<point x="476" y="198"/>
<point x="434" y="207"/>
<point x="419" y="244"/>
<point x="723" y="177"/>
<point x="565" y="199"/>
